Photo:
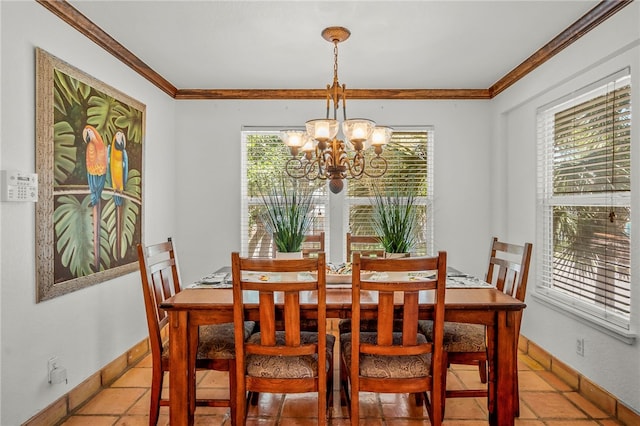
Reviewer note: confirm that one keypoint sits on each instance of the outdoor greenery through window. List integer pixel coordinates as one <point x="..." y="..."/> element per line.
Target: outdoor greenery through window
<point x="410" y="170"/>
<point x="264" y="156"/>
<point x="584" y="192"/>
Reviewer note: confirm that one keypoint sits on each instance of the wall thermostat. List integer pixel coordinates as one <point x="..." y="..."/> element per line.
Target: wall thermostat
<point x="19" y="186"/>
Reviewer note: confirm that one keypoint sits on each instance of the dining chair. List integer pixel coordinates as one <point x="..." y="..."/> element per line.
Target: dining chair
<point x="311" y="246"/>
<point x="281" y="359"/>
<point x="387" y="361"/>
<point x="216" y="347"/>
<point x="467" y="343"/>
<point x="366" y="245"/>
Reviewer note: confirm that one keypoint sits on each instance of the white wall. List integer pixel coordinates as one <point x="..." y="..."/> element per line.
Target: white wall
<point x="89" y="328"/>
<point x="1" y="323"/>
<point x="484" y="179"/>
<point x="615" y="44"/>
<point x="208" y="200"/>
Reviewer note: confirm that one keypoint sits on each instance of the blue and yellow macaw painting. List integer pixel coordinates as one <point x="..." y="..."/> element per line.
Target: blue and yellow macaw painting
<point x="97" y="179"/>
<point x="119" y="170"/>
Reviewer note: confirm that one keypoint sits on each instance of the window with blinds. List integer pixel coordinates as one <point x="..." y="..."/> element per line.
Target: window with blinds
<point x="264" y="156"/>
<point x="584" y="195"/>
<point x="409" y="157"/>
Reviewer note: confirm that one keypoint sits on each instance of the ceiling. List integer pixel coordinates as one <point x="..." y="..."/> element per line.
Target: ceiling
<point x="277" y="44"/>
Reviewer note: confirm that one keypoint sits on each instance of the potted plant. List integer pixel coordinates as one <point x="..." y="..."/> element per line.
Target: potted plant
<point x="395" y="220"/>
<point x="287" y="214"/>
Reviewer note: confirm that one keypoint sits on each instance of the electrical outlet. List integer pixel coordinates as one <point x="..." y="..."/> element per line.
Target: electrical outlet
<point x="56" y="373"/>
<point x="580" y="346"/>
<point x="51" y="365"/>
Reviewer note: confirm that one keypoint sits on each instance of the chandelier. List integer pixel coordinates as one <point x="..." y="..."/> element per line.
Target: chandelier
<point x="324" y="156"/>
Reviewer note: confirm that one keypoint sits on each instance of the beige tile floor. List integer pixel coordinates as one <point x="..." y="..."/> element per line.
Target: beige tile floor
<point x="544" y="400"/>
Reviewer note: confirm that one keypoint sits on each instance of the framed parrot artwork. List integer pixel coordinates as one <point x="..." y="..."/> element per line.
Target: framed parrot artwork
<point x="89" y="159"/>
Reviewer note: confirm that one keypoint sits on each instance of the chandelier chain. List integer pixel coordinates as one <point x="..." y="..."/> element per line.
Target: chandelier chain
<point x="335" y="62"/>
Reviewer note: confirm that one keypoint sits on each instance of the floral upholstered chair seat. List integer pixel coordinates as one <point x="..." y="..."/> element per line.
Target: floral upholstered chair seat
<point x="385" y="366"/>
<point x="287" y="367"/>
<point x="458" y="337"/>
<point x="216" y="341"/>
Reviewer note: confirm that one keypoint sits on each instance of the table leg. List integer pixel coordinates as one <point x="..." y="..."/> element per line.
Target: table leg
<point x="193" y="340"/>
<point x="503" y="413"/>
<point x="491" y="367"/>
<point x="180" y="374"/>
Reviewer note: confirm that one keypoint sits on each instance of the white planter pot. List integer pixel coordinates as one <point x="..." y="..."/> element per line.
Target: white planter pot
<point x="289" y="255"/>
<point x="395" y="255"/>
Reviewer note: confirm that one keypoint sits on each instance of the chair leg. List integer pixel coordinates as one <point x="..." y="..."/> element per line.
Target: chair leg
<point x="344" y="383"/>
<point x="322" y="409"/>
<point x="345" y="398"/>
<point x="443" y="387"/>
<point x="233" y="403"/>
<point x="156" y="390"/>
<point x="516" y="394"/>
<point x="482" y="368"/>
<point x="329" y="391"/>
<point x="354" y="412"/>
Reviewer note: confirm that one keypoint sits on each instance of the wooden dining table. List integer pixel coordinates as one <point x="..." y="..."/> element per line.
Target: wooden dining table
<point x="198" y="306"/>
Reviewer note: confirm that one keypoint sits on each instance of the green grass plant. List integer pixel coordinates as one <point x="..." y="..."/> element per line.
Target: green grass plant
<point x="395" y="219"/>
<point x="287" y="214"/>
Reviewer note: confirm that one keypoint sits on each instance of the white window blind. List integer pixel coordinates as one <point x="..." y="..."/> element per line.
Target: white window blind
<point x="263" y="157"/>
<point x="584" y="188"/>
<point x="410" y="169"/>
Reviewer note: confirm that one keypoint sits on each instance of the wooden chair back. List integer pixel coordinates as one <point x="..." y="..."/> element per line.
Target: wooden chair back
<point x="508" y="271"/>
<point x="366" y="245"/>
<point x="509" y="267"/>
<point x="311" y="246"/>
<point x="389" y="291"/>
<point x="160" y="280"/>
<point x="279" y="298"/>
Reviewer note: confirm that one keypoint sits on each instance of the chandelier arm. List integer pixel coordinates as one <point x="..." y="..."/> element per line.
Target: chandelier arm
<point x="377" y="167"/>
<point x="355" y="166"/>
<point x="314" y="171"/>
<point x="342" y="157"/>
<point x="322" y="161"/>
<point x="299" y="168"/>
<point x="344" y="161"/>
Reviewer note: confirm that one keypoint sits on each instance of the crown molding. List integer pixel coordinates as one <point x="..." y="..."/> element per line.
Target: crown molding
<point x="84" y="25"/>
<point x="586" y="23"/>
<point x="414" y="94"/>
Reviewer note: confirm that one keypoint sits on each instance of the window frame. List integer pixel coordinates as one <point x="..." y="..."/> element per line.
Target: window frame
<point x="595" y="314"/>
<point x="331" y="202"/>
<point x="426" y="201"/>
<point x="247" y="201"/>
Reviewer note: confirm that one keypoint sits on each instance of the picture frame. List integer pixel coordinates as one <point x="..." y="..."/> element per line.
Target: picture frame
<point x="89" y="162"/>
